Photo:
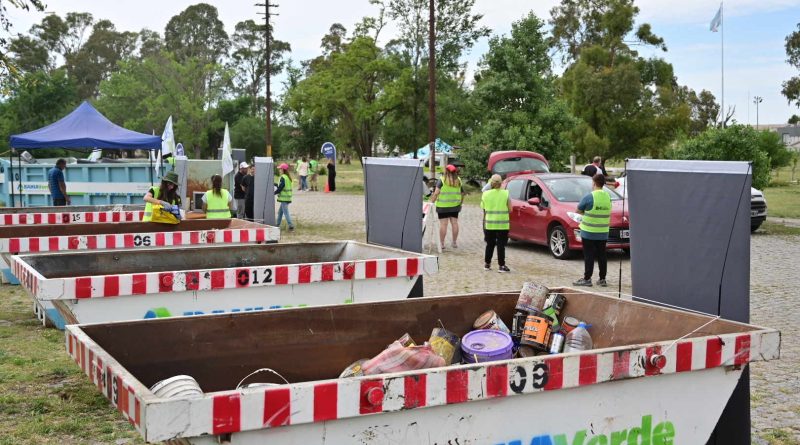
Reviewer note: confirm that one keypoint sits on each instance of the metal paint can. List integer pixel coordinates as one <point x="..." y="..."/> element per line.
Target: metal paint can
<point x="490" y="320"/>
<point x="556" y="343"/>
<point x="532" y="295"/>
<point x="537" y="332"/>
<point x="526" y="351"/>
<point x="557" y="302"/>
<point x="517" y="326"/>
<point x="569" y="324"/>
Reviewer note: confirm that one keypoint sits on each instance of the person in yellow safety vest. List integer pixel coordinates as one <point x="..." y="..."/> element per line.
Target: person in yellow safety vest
<point x="596" y="210"/>
<point x="448" y="197"/>
<point x="165" y="195"/>
<point x="217" y="202"/>
<point x="283" y="190"/>
<point x="496" y="207"/>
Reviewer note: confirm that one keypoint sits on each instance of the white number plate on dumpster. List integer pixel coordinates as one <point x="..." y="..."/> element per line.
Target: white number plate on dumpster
<point x="625" y="234"/>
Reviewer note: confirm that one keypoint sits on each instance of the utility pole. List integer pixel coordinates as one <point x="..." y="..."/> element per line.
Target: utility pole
<point x="432" y="86"/>
<point x="757" y="100"/>
<point x="268" y="38"/>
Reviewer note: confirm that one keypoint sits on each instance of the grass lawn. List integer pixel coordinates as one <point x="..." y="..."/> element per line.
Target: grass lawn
<point x="783" y="201"/>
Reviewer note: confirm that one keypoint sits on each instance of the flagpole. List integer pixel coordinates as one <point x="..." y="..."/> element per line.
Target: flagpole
<point x="722" y="52"/>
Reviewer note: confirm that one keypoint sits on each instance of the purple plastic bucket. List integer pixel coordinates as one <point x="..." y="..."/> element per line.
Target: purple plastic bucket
<point x="486" y="345"/>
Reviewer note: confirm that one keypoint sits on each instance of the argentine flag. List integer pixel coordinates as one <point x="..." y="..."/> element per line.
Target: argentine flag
<point x="716" y="22"/>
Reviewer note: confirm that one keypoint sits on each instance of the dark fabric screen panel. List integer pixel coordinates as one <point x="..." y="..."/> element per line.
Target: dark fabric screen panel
<point x="393" y="195"/>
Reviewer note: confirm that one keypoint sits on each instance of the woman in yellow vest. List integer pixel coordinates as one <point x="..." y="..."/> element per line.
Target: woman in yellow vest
<point x="596" y="210"/>
<point x="217" y="202"/>
<point x="283" y="190"/>
<point x="448" y="196"/>
<point x="496" y="210"/>
<point x="165" y="195"/>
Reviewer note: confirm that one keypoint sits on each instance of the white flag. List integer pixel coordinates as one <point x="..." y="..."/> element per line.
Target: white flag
<point x="716" y="22"/>
<point x="168" y="139"/>
<point x="227" y="160"/>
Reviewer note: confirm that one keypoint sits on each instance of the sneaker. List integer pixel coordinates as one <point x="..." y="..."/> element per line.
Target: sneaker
<point x="503" y="268"/>
<point x="583" y="282"/>
<point x="291" y="229"/>
<point x="455" y="246"/>
<point x="602" y="283"/>
<point x="487" y="267"/>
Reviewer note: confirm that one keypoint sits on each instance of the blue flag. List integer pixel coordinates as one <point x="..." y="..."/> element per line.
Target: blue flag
<point x="716" y="22"/>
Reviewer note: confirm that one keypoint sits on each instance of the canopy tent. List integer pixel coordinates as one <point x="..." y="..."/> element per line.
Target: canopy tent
<point x="85" y="127"/>
<point x="423" y="152"/>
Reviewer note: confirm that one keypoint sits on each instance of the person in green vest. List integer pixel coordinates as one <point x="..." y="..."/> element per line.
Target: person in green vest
<point x="596" y="210"/>
<point x="496" y="207"/>
<point x="165" y="195"/>
<point x="217" y="202"/>
<point x="313" y="165"/>
<point x="448" y="197"/>
<point x="283" y="190"/>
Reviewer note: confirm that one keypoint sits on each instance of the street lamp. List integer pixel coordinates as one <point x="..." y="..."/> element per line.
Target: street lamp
<point x="757" y="100"/>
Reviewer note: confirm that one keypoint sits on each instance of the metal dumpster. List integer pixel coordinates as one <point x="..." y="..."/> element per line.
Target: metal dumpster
<point x="653" y="377"/>
<point x="130" y="285"/>
<point x="126" y="235"/>
<point x="13" y="216"/>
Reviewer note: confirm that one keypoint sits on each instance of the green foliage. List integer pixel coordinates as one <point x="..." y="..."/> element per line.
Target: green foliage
<point x="249" y="132"/>
<point x="791" y="88"/>
<point x="737" y="143"/>
<point x="248" y="59"/>
<point x="197" y="32"/>
<point x="794" y="120"/>
<point x="515" y="94"/>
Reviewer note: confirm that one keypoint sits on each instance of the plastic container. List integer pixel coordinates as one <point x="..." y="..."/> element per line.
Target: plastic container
<point x="578" y="339"/>
<point x="486" y="345"/>
<point x="178" y="386"/>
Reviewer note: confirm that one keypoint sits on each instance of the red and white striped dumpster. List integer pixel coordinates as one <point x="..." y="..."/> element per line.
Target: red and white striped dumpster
<point x="96" y="237"/>
<point x="645" y="383"/>
<point x="14" y="216"/>
<point x="137" y="284"/>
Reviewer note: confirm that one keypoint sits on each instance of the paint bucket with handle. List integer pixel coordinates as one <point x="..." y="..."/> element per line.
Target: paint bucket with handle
<point x="486" y="345"/>
<point x="178" y="386"/>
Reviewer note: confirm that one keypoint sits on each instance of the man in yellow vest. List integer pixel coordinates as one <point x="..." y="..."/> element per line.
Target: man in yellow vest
<point x="596" y="210"/>
<point x="496" y="210"/>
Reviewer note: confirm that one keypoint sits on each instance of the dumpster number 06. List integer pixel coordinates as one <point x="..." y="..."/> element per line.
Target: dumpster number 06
<point x="244" y="276"/>
<point x="141" y="240"/>
<point x="538" y="378"/>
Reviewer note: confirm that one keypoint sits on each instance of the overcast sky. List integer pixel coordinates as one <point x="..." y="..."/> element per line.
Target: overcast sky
<point x="755" y="61"/>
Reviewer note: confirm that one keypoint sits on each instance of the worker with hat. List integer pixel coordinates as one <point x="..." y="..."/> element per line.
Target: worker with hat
<point x="448" y="197"/>
<point x="283" y="190"/>
<point x="239" y="194"/>
<point x="165" y="195"/>
<point x="496" y="207"/>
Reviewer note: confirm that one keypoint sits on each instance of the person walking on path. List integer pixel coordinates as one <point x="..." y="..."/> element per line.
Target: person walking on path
<point x="58" y="188"/>
<point x="302" y="172"/>
<point x="217" y="202"/>
<point x="331" y="175"/>
<point x="239" y="194"/>
<point x="248" y="185"/>
<point x="314" y="165"/>
<point x="165" y="195"/>
<point x="284" y="192"/>
<point x="448" y="197"/>
<point x="594" y="168"/>
<point x="496" y="207"/>
<point x="596" y="210"/>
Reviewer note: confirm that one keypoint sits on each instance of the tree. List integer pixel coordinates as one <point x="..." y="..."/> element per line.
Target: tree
<point x="704" y="109"/>
<point x="248" y="59"/>
<point x="98" y="57"/>
<point x="6" y="65"/>
<point x="794" y="120"/>
<point x="150" y="43"/>
<point x="738" y="143"/>
<point x="197" y="32"/>
<point x="791" y="88"/>
<point x="515" y="93"/>
<point x="29" y="54"/>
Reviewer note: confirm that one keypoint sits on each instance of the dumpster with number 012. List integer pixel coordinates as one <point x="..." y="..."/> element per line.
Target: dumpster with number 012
<point x="136" y="284"/>
<point x="657" y="376"/>
<point x="97" y="237"/>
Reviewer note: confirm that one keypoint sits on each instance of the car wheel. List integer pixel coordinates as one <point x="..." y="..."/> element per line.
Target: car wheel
<point x="627" y="250"/>
<point x="754" y="227"/>
<point x="558" y="243"/>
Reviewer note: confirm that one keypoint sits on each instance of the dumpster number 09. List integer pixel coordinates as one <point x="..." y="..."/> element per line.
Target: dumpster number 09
<point x="538" y="378"/>
<point x="141" y="240"/>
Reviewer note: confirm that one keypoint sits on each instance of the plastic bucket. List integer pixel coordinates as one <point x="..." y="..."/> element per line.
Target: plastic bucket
<point x="486" y="345"/>
<point x="178" y="386"/>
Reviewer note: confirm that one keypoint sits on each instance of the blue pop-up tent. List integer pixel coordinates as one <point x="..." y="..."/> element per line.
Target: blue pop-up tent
<point x="85" y="127"/>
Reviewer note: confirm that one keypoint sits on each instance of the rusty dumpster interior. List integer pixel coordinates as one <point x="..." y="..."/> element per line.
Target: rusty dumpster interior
<point x="25" y="231"/>
<point x="318" y="343"/>
<point x="203" y="258"/>
<point x="72" y="209"/>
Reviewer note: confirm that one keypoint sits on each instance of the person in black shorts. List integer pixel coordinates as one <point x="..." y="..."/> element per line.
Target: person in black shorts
<point x="448" y="197"/>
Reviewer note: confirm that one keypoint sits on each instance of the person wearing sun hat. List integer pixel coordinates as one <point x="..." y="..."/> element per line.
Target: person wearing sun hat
<point x="283" y="191"/>
<point x="165" y="195"/>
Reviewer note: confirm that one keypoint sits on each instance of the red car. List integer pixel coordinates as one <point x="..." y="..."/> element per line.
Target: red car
<point x="544" y="211"/>
<point x="505" y="163"/>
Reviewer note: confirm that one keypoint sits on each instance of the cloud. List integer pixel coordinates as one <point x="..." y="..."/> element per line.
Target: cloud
<point x="702" y="11"/>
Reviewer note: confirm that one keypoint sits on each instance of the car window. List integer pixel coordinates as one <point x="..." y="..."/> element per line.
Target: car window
<point x="574" y="189"/>
<point x="512" y="165"/>
<point x="516" y="188"/>
<point x="534" y="190"/>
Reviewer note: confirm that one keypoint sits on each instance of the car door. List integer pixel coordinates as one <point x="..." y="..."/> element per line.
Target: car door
<point x="534" y="217"/>
<point x="516" y="192"/>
